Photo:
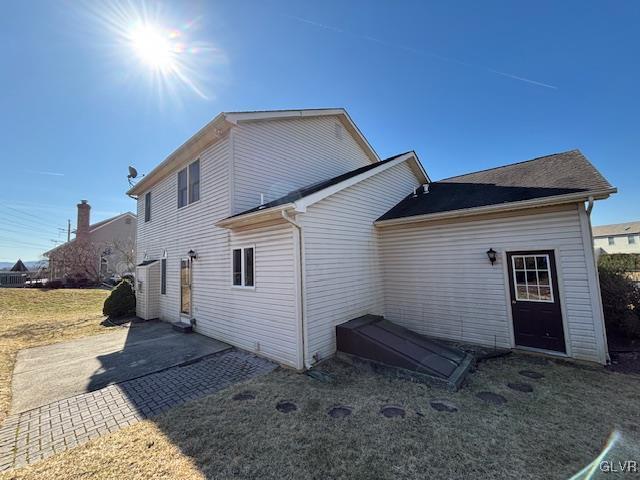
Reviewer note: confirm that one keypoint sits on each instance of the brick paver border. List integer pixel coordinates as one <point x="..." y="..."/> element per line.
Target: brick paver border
<point x="36" y="434"/>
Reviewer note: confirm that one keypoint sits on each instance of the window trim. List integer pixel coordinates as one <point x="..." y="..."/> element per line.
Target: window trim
<point x="611" y="241"/>
<point x="515" y="280"/>
<point x="242" y="249"/>
<point x="147" y="206"/>
<point x="187" y="170"/>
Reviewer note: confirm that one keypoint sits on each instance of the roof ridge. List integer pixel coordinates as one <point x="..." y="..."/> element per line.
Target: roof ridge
<point x="511" y="164"/>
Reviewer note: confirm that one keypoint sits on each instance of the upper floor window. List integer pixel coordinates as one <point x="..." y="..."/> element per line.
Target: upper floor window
<point x="189" y="184"/>
<point x="611" y="240"/>
<point x="631" y="239"/>
<point x="147" y="207"/>
<point x="243" y="267"/>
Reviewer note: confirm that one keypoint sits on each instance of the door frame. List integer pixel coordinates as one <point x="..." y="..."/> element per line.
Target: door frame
<point x="562" y="297"/>
<point x="190" y="263"/>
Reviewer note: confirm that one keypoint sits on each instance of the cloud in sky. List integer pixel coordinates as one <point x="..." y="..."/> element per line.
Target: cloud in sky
<point x="423" y="53"/>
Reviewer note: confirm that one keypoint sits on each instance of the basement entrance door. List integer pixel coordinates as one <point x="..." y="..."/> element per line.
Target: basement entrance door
<point x="535" y="300"/>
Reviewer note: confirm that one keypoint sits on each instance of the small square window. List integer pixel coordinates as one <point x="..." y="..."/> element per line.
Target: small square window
<point x="631" y="239"/>
<point x="611" y="240"/>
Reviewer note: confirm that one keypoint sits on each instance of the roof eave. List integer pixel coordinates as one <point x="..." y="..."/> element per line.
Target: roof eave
<point x="210" y="133"/>
<point x="302" y="204"/>
<point x="254" y="217"/>
<point x="502" y="207"/>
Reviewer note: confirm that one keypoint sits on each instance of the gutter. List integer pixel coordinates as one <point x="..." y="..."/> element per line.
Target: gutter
<point x="502" y="207"/>
<point x="303" y="333"/>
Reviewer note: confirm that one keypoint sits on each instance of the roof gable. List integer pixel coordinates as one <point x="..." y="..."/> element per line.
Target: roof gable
<point x="220" y="125"/>
<point x="565" y="175"/>
<point x="301" y="198"/>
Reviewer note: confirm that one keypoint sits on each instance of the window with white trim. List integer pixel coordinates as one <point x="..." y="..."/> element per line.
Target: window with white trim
<point x="532" y="278"/>
<point x="243" y="267"/>
<point x="631" y="239"/>
<point x="611" y="240"/>
<point x="189" y="184"/>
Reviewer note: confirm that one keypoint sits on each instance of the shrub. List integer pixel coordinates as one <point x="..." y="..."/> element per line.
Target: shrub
<point x="53" y="284"/>
<point x="121" y="302"/>
<point x="620" y="297"/>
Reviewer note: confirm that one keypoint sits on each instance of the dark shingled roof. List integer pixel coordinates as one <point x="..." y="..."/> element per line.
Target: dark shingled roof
<point x="19" y="267"/>
<point x="557" y="174"/>
<point x="316" y="187"/>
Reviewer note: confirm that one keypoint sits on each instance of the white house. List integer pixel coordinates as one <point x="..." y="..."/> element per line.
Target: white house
<point x="617" y="238"/>
<point x="268" y="229"/>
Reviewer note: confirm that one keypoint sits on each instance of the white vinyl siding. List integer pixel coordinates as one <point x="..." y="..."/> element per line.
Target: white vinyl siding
<point x="262" y="320"/>
<point x="438" y="280"/>
<point x="343" y="279"/>
<point x="277" y="156"/>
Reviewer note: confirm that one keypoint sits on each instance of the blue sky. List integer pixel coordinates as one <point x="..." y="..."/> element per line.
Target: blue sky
<point x="468" y="85"/>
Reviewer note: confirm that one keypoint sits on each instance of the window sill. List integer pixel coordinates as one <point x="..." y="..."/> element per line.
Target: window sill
<point x="241" y="287"/>
<point x="188" y="205"/>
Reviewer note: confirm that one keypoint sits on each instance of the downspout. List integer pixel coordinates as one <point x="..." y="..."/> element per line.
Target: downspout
<point x="589" y="208"/>
<point x="298" y="228"/>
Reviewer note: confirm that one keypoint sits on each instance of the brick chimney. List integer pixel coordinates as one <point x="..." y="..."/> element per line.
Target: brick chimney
<point x="82" y="229"/>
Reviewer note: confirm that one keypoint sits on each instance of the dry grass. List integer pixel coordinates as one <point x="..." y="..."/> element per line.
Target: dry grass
<point x="550" y="433"/>
<point x="34" y="317"/>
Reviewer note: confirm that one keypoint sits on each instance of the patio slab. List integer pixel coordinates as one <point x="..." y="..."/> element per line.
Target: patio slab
<point x="43" y="375"/>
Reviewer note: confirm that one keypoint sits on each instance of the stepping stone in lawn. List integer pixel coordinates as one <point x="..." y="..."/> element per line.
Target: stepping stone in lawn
<point x="491" y="397"/>
<point x="520" y="387"/>
<point x="391" y="411"/>
<point x="531" y="374"/>
<point x="244" y="396"/>
<point x="340" y="411"/>
<point x="443" y="406"/>
<point x="285" y="406"/>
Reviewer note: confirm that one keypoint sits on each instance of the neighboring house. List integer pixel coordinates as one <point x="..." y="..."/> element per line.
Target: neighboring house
<point x="617" y="238"/>
<point x="98" y="251"/>
<point x="268" y="229"/>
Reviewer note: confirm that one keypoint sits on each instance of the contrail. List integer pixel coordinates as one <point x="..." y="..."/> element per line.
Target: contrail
<point x="420" y="52"/>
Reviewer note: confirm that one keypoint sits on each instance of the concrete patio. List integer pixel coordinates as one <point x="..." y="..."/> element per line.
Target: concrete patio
<point x="46" y="374"/>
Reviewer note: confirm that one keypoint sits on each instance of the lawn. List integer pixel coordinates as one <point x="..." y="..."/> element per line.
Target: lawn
<point x="552" y="432"/>
<point x="34" y="317"/>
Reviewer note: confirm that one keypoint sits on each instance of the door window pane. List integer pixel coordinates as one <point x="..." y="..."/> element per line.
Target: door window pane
<point x="533" y="280"/>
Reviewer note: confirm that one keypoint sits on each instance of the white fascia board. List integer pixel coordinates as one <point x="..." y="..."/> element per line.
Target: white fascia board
<point x="254" y="217"/>
<point x="502" y="207"/>
<point x="211" y="132"/>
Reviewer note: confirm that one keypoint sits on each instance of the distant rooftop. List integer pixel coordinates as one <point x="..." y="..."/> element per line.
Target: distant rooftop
<point x="616" y="229"/>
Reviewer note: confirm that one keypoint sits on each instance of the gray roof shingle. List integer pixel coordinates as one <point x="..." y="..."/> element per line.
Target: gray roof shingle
<point x="548" y="176"/>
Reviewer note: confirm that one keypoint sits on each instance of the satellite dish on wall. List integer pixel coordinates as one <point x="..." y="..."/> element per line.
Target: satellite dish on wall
<point x="133" y="173"/>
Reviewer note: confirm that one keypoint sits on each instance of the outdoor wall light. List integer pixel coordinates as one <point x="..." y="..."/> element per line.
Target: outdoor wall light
<point x="192" y="254"/>
<point x="491" y="253"/>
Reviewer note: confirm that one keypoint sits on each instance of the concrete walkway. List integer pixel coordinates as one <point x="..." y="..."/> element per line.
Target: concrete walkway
<point x="53" y="372"/>
<point x="38" y="433"/>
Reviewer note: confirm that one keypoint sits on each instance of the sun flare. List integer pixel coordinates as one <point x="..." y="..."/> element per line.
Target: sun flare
<point x="153" y="47"/>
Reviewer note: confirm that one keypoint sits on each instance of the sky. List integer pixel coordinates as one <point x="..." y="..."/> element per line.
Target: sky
<point x="468" y="85"/>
